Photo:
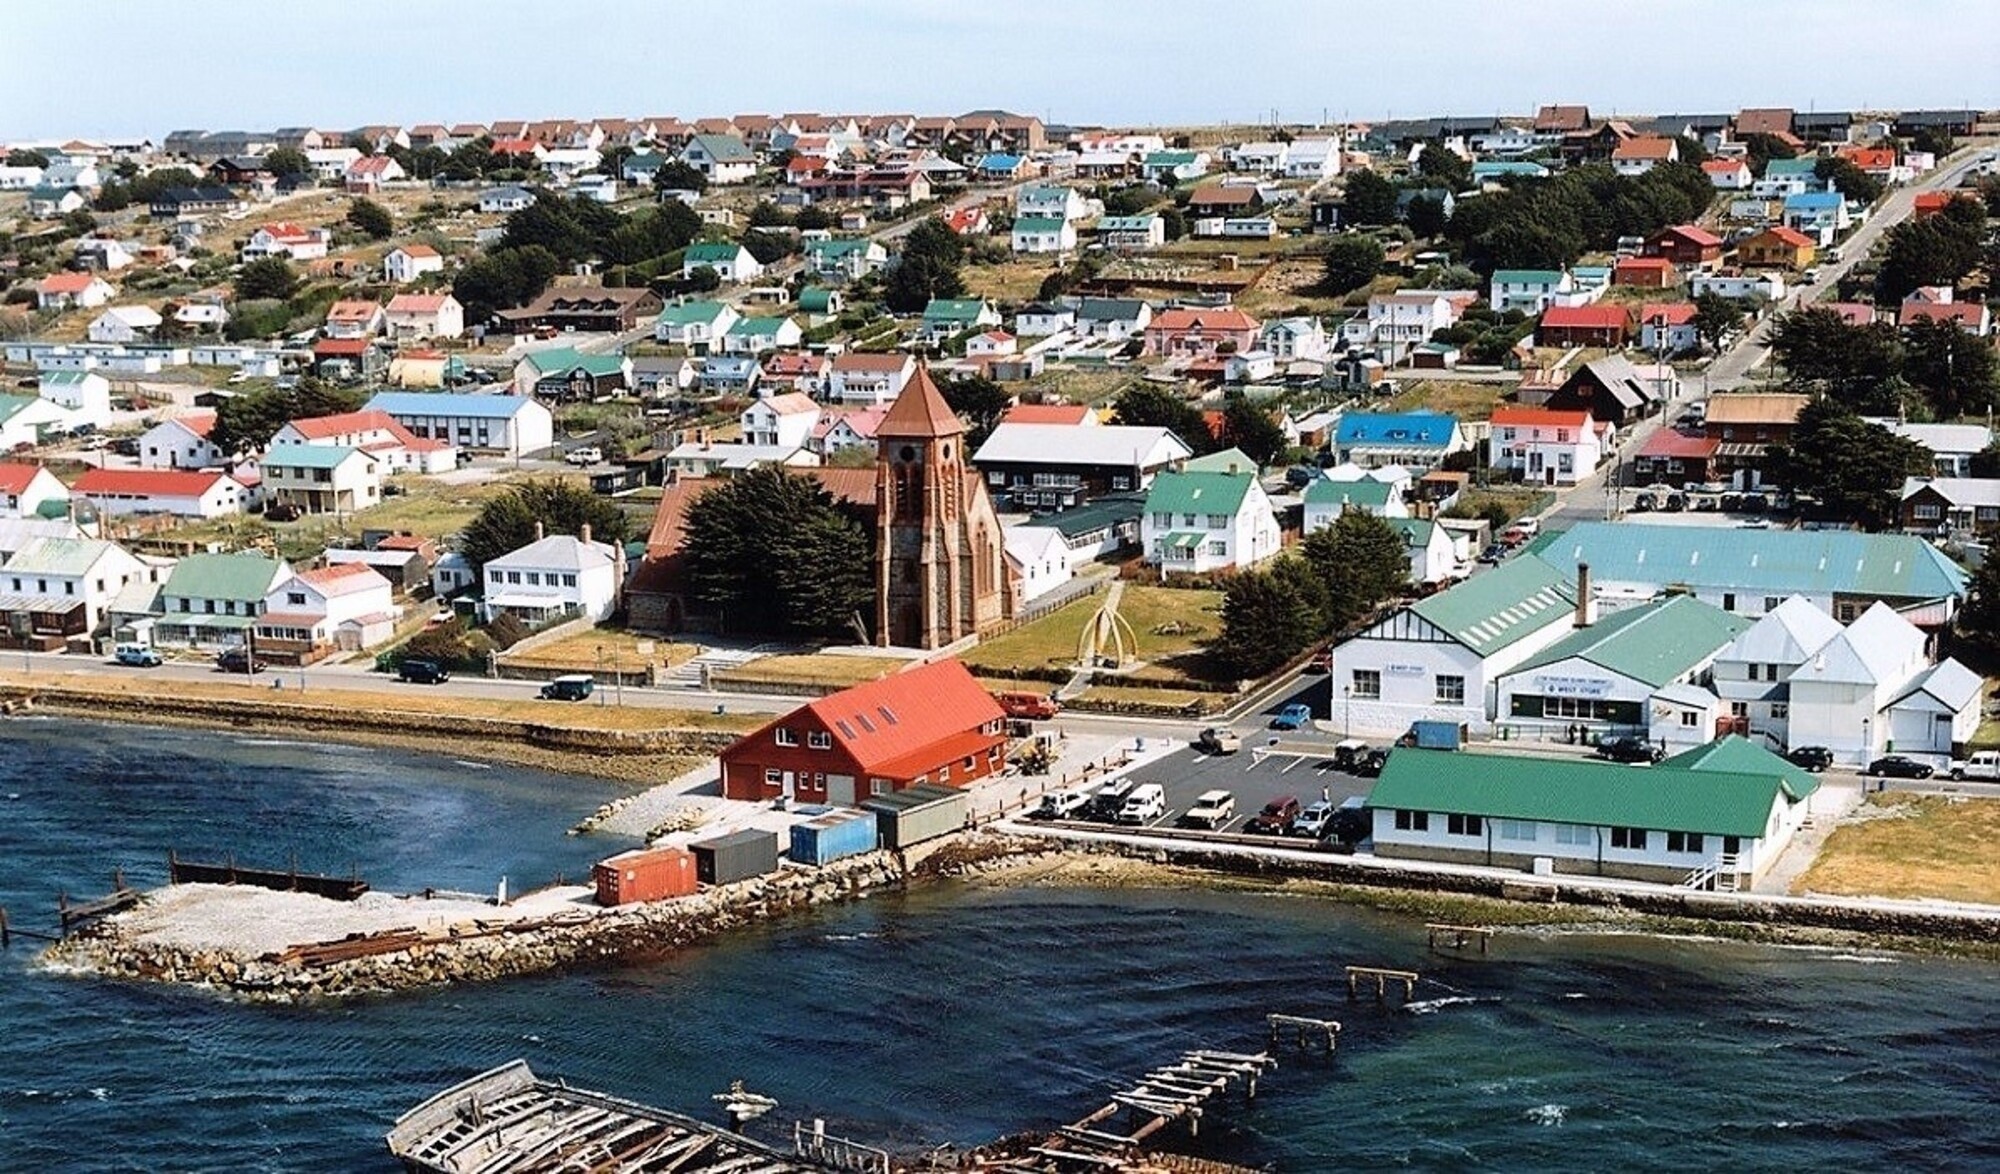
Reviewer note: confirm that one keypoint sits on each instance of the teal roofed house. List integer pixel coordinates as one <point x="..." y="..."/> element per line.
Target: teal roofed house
<point x="565" y="373"/>
<point x="1043" y="234"/>
<point x="695" y="325"/>
<point x="1197" y="522"/>
<point x="213" y="599"/>
<point x="755" y="336"/>
<point x="1327" y="499"/>
<point x="1715" y="817"/>
<point x="1528" y="290"/>
<point x="820" y="301"/>
<point x="731" y="261"/>
<point x="844" y="258"/>
<point x="944" y="317"/>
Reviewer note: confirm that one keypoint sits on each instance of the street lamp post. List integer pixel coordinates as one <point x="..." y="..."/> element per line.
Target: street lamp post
<point x="1346" y="711"/>
<point x="600" y="672"/>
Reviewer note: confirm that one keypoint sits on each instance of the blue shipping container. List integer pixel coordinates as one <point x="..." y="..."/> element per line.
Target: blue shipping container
<point x="831" y="837"/>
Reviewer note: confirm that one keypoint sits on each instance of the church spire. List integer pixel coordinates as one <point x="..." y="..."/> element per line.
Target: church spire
<point x="920" y="411"/>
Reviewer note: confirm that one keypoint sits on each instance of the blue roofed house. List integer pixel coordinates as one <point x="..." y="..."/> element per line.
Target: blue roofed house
<point x="1197" y="522"/>
<point x="1000" y="167"/>
<point x="1820" y="215"/>
<point x="1414" y="440"/>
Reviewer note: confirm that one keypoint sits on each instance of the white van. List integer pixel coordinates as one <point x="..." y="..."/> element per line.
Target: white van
<point x="1068" y="804"/>
<point x="1148" y="801"/>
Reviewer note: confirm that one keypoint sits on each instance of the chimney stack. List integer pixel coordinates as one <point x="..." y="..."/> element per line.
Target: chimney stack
<point x="1586" y="604"/>
<point x="584" y="534"/>
<point x="538" y="532"/>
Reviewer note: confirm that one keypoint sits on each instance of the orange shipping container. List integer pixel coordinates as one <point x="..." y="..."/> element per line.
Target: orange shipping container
<point x="644" y="874"/>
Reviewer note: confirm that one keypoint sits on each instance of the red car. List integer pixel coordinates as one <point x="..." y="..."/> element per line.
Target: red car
<point x="1033" y="706"/>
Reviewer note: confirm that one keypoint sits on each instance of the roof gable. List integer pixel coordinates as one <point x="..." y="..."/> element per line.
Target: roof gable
<point x="1493" y="610"/>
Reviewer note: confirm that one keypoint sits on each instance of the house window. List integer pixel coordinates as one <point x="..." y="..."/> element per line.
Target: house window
<point x="569" y="580"/>
<point x="1413" y="821"/>
<point x="1218" y="549"/>
<point x="1771" y="602"/>
<point x="1368" y="684"/>
<point x="944" y="773"/>
<point x="1575" y="835"/>
<point x="1739" y="709"/>
<point x="786" y="736"/>
<point x="1450" y="690"/>
<point x="1780" y="711"/>
<point x="1518" y="830"/>
<point x="1464" y="825"/>
<point x="1927" y="512"/>
<point x="1770" y="672"/>
<point x="1729" y="601"/>
<point x="878" y="786"/>
<point x="1163" y="521"/>
<point x="1690" y="718"/>
<point x="1684" y="842"/>
<point x="295" y="598"/>
<point x="1633" y="839"/>
<point x="773" y="777"/>
<point x="1731" y="845"/>
<point x="819" y="740"/>
<point x="1187" y="520"/>
<point x="1218" y="521"/>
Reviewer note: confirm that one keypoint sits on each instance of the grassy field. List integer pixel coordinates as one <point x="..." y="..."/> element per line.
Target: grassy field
<point x="1050" y="642"/>
<point x="1010" y="281"/>
<point x="1914" y="846"/>
<point x="624" y="652"/>
<point x="1461" y="398"/>
<point x="810" y="668"/>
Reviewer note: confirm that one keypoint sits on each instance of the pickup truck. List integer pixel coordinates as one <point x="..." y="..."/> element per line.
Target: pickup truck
<point x="1984" y="764"/>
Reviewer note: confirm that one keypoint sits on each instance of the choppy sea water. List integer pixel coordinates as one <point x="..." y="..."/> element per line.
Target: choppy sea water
<point x="953" y="1015"/>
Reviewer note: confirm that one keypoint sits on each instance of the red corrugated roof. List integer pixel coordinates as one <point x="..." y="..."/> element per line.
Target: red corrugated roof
<point x="1541" y="418"/>
<point x="1693" y="234"/>
<point x="416" y="303"/>
<point x="1646" y="263"/>
<point x="1186" y="319"/>
<point x="1046" y="414"/>
<point x="325" y="427"/>
<point x="340" y="347"/>
<point x="1574" y="317"/>
<point x="1674" y="313"/>
<point x="66" y="283"/>
<point x="925" y="711"/>
<point x="147" y="482"/>
<point x="15" y="477"/>
<point x="344" y="578"/>
<point x="1789" y="236"/>
<point x="1671" y="442"/>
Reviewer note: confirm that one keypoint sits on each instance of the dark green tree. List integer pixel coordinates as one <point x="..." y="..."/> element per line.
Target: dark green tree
<point x="770" y="552"/>
<point x="1935" y="139"/>
<point x="1151" y="405"/>
<point x="26" y="157"/>
<point x="1855" y="469"/>
<point x="503" y="278"/>
<point x="1174" y="221"/>
<point x="1266" y="620"/>
<point x="372" y="219"/>
<point x="1442" y="167"/>
<point x="507" y="522"/>
<point x="1426" y="216"/>
<point x="1979" y="619"/>
<point x="1250" y="428"/>
<point x="1936" y="250"/>
<point x="680" y="176"/>
<point x="1352" y="261"/>
<point x="979" y="402"/>
<point x="287" y="163"/>
<point x="245" y="423"/>
<point x="1952" y="369"/>
<point x="768" y="247"/>
<point x="1368" y="199"/>
<point x="768" y="215"/>
<point x="266" y="277"/>
<point x="80" y="222"/>
<point x="1848" y="179"/>
<point x="703" y="279"/>
<point x="1986" y="465"/>
<point x="1820" y="351"/>
<point x="1715" y="316"/>
<point x="1362" y="561"/>
<point x="927" y="268"/>
<point x="812" y="217"/>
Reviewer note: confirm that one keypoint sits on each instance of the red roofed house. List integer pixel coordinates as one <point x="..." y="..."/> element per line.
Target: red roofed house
<point x="1075" y="414"/>
<point x="797" y="370"/>
<point x="1728" y="175"/>
<point x="187" y="494"/>
<point x="1931" y="203"/>
<point x="1879" y="162"/>
<point x="1673" y="457"/>
<point x="856" y="429"/>
<point x="969" y="221"/>
<point x="1548" y="446"/>
<point x="406" y="263"/>
<point x="1200" y="334"/>
<point x="1938" y="303"/>
<point x="345" y="357"/>
<point x="376" y="433"/>
<point x="1597" y="326"/>
<point x="1217" y="199"/>
<point x="1685" y="244"/>
<point x="992" y="344"/>
<point x="1642" y="153"/>
<point x="1777" y="247"/>
<point x="345" y="607"/>
<point x="355" y="318"/>
<point x="285" y="239"/>
<point x="370" y="172"/>
<point x="181" y="442"/>
<point x="1668" y="327"/>
<point x="1851" y="313"/>
<point x="869" y="379"/>
<point x="25" y="488"/>
<point x="932" y="724"/>
<point x="1645" y="273"/>
<point x="59" y="291"/>
<point x="411" y="317"/>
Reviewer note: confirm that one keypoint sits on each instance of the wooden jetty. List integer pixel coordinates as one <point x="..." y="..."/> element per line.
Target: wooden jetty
<point x="1356" y="975"/>
<point x="1305" y="1029"/>
<point x="121" y="898"/>
<point x="1176" y="1092"/>
<point x="192" y="872"/>
<point x="1456" y="937"/>
<point x="509" y="1121"/>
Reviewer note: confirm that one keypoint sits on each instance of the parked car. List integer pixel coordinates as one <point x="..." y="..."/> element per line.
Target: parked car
<point x="239" y="660"/>
<point x="1983" y="764"/>
<point x="1295" y="716"/>
<point x="1110" y="800"/>
<point x="1034" y="706"/>
<point x="1313" y="820"/>
<point x="1218" y="740"/>
<point x="423" y="672"/>
<point x="587" y="455"/>
<point x="137" y="656"/>
<point x="1211" y="810"/>
<point x="1896" y="766"/>
<point x="1493" y="554"/>
<point x="1630" y="749"/>
<point x="126" y="447"/>
<point x="1276" y="818"/>
<point x="281" y="511"/>
<point x="1350" y="823"/>
<point x="1643" y="503"/>
<point x="1369" y="765"/>
<point x="1300" y="476"/>
<point x="1069" y="804"/>
<point x="1147" y="801"/>
<point x="572" y="687"/>
<point x="1812" y="758"/>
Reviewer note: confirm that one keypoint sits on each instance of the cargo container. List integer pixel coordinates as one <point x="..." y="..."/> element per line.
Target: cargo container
<point x="907" y="817"/>
<point x="644" y="874"/>
<point x="735" y="857"/>
<point x="832" y="836"/>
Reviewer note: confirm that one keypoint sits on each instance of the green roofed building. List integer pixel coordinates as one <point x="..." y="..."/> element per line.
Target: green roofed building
<point x="1196" y="522"/>
<point x="1603" y="677"/>
<point x="214" y="599"/>
<point x="565" y="373"/>
<point x="1327" y="499"/>
<point x="1719" y="815"/>
<point x="944" y="317"/>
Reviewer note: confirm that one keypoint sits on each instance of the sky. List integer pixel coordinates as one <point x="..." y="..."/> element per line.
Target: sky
<point x="80" y="68"/>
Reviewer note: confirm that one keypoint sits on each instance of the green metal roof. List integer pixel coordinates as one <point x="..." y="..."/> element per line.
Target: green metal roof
<point x="1107" y="512"/>
<point x="1656" y="643"/>
<point x="65" y="378"/>
<point x="1492" y="610"/>
<point x="1415" y="531"/>
<point x="1141" y="223"/>
<point x="707" y="252"/>
<point x="954" y="310"/>
<point x="1198" y="493"/>
<point x="752" y="327"/>
<point x="1736" y="755"/>
<point x="1038" y="224"/>
<point x="58" y="556"/>
<point x="1756" y="562"/>
<point x="1579" y="791"/>
<point x="1221" y="462"/>
<point x="308" y="456"/>
<point x="1360" y="494"/>
<point x="1527" y="276"/>
<point x="1169" y="158"/>
<point x="838" y="247"/>
<point x="222" y="576"/>
<point x="816" y="300"/>
<point x="1183" y="540"/>
<point x="690" y="313"/>
<point x="564" y="359"/>
<point x="12" y="405"/>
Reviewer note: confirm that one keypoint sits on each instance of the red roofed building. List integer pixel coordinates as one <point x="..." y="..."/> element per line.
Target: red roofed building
<point x="285" y="239"/>
<point x="1728" y="175"/>
<point x="413" y="316"/>
<point x="370" y="172"/>
<point x="1852" y="313"/>
<point x="969" y="221"/>
<point x="1673" y="457"/>
<point x="1645" y="272"/>
<point x="1049" y="414"/>
<point x="376" y="433"/>
<point x="1685" y="244"/>
<point x="1200" y="334"/>
<point x="343" y="607"/>
<point x="210" y="494"/>
<point x="24" y="489"/>
<point x="1879" y="162"/>
<point x="1668" y="327"/>
<point x="1642" y="153"/>
<point x="1596" y="326"/>
<point x="931" y="724"/>
<point x="59" y="291"/>
<point x="1940" y="304"/>
<point x="1549" y="446"/>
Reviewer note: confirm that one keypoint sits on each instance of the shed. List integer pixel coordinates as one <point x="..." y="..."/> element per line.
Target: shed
<point x="907" y="818"/>
<point x="735" y="857"/>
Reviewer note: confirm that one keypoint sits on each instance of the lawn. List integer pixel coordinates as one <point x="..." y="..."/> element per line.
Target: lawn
<point x="1913" y="846"/>
<point x="1459" y="397"/>
<point x="1050" y="642"/>
<point x="1009" y="281"/>
<point x="608" y="649"/>
<point x="822" y="669"/>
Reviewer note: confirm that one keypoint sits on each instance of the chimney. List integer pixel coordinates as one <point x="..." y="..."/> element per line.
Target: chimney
<point x="584" y="534"/>
<point x="539" y="535"/>
<point x="1586" y="604"/>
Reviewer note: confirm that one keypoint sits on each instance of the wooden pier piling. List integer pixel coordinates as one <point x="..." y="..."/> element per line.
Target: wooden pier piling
<point x="1457" y="937"/>
<point x="1305" y="1029"/>
<point x="1356" y="975"/>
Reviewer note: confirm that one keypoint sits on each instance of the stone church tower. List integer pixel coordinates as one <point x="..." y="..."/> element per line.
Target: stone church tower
<point x="940" y="569"/>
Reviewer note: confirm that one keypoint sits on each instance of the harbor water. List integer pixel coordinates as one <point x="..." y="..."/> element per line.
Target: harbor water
<point x="952" y="1015"/>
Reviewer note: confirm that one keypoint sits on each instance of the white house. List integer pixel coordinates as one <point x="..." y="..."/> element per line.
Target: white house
<point x="183" y="493"/>
<point x="786" y="420"/>
<point x="60" y="291"/>
<point x="1403" y="320"/>
<point x="1433" y="555"/>
<point x="1762" y="285"/>
<point x="1041" y="320"/>
<point x="724" y="159"/>
<point x="1293" y="339"/>
<point x="869" y="379"/>
<point x="730" y="261"/>
<point x="1750" y="675"/>
<point x="509" y="424"/>
<point x="694" y="325"/>
<point x="1040" y="556"/>
<point x="181" y="442"/>
<point x="287" y="240"/>
<point x="85" y="395"/>
<point x="451" y="575"/>
<point x="1326" y="499"/>
<point x="1265" y="158"/>
<point x="556" y="575"/>
<point x="1112" y="318"/>
<point x="1820" y="215"/>
<point x="505" y="200"/>
<point x="376" y="433"/>
<point x="1546" y="445"/>
<point x="215" y="599"/>
<point x="991" y="345"/>
<point x="755" y="336"/>
<point x="1043" y="234"/>
<point x="1146" y="231"/>
<point x="406" y="263"/>
<point x="1313" y="159"/>
<point x="1050" y="201"/>
<point x="124" y="324"/>
<point x="1952" y="445"/>
<point x="345" y="607"/>
<point x="322" y="478"/>
<point x="26" y="489"/>
<point x="26" y="419"/>
<point x="1528" y="290"/>
<point x="73" y="579"/>
<point x="1207" y="521"/>
<point x="1838" y="695"/>
<point x="1936" y="714"/>
<point x="413" y="317"/>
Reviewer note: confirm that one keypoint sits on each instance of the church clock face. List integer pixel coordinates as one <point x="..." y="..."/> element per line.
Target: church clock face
<point x="908" y="453"/>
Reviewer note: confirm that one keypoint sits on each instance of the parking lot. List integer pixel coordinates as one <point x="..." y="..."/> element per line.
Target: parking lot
<point x="1269" y="767"/>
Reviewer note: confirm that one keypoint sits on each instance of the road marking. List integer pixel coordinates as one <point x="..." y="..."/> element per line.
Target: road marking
<point x="1294" y="763"/>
